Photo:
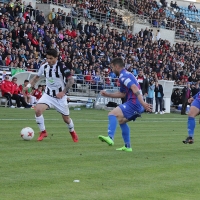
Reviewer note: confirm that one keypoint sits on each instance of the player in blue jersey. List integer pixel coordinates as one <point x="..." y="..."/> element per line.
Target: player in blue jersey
<point x="128" y="111"/>
<point x="194" y="111"/>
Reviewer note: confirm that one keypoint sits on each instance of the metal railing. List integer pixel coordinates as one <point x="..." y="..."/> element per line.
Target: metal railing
<point x="185" y="35"/>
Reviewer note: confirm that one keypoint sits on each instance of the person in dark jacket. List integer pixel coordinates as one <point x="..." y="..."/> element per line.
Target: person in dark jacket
<point x="186" y="94"/>
<point x="159" y="97"/>
<point x="144" y="83"/>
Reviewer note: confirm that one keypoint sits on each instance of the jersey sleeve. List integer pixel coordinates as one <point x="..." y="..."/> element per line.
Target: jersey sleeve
<point x="65" y="71"/>
<point x="41" y="71"/>
<point x="127" y="81"/>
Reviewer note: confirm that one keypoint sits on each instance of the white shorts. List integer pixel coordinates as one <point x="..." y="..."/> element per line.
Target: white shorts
<point x="60" y="105"/>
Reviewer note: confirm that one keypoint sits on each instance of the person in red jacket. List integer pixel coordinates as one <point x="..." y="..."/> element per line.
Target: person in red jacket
<point x="73" y="33"/>
<point x="34" y="41"/>
<point x="8" y="60"/>
<point x="18" y="96"/>
<point x="7" y="90"/>
<point x="38" y="92"/>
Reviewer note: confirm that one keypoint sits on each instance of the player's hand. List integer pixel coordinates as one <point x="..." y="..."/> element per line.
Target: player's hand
<point x="190" y="100"/>
<point x="104" y="93"/>
<point x="60" y="95"/>
<point x="147" y="107"/>
<point x="68" y="99"/>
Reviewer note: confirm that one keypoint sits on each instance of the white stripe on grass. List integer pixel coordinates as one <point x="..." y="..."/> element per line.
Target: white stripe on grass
<point x="167" y="120"/>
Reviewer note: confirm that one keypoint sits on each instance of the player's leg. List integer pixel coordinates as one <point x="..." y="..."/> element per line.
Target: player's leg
<point x="70" y="126"/>
<point x="39" y="109"/>
<point x="194" y="111"/>
<point x="61" y="106"/>
<point x="42" y="105"/>
<point x="113" y="117"/>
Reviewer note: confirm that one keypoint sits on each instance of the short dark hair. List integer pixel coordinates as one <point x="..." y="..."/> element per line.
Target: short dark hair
<point x="118" y="61"/>
<point x="52" y="52"/>
<point x="26" y="81"/>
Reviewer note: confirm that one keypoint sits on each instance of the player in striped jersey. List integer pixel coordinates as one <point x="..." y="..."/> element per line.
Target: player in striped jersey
<point x="128" y="111"/>
<point x="55" y="93"/>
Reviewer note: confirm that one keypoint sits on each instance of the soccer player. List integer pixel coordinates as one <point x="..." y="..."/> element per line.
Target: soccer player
<point x="128" y="111"/>
<point x="194" y="111"/>
<point x="55" y="93"/>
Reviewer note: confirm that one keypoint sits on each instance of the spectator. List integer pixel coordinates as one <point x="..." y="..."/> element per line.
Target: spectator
<point x="176" y="97"/>
<point x="159" y="97"/>
<point x="36" y="95"/>
<point x="18" y="96"/>
<point x="186" y="94"/>
<point x="26" y="91"/>
<point x="150" y="94"/>
<point x="144" y="84"/>
<point x="7" y="90"/>
<point x="192" y="7"/>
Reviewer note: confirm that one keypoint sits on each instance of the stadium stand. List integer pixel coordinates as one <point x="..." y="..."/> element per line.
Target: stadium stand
<point x="88" y="40"/>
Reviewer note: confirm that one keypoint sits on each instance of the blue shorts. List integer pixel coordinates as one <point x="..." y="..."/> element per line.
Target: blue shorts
<point x="131" y="111"/>
<point x="196" y="103"/>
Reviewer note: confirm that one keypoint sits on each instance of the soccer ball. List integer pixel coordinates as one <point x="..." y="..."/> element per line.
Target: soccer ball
<point x="27" y="133"/>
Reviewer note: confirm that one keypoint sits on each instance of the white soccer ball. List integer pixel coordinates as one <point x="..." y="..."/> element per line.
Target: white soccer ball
<point x="27" y="133"/>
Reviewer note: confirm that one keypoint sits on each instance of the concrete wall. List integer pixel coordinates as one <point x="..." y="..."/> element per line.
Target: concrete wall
<point x="186" y="3"/>
<point x="46" y="8"/>
<point x="164" y="33"/>
<point x="137" y="27"/>
<point x="33" y="3"/>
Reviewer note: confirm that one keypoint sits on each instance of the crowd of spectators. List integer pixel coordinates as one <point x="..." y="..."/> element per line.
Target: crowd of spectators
<point x="162" y="15"/>
<point x="100" y="11"/>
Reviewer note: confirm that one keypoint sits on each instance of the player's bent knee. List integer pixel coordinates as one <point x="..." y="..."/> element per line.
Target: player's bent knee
<point x="194" y="111"/>
<point x="66" y="119"/>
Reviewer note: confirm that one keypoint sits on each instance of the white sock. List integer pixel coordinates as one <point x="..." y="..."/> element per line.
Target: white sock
<point x="40" y="122"/>
<point x="71" y="126"/>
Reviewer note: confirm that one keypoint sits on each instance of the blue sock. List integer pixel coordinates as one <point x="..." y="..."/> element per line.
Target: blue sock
<point x="191" y="126"/>
<point x="126" y="134"/>
<point x="112" y="125"/>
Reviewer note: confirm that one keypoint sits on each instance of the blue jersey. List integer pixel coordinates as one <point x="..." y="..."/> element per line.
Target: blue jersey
<point x="196" y="101"/>
<point x="132" y="108"/>
<point x="126" y="80"/>
<point x="197" y="96"/>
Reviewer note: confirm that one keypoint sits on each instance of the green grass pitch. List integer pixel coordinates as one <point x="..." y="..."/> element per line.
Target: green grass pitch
<point x="159" y="168"/>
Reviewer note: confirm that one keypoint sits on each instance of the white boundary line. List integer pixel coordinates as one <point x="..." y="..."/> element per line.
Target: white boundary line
<point x="171" y="120"/>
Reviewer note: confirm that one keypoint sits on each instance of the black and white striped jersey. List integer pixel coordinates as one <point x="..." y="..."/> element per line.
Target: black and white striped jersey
<point x="55" y="77"/>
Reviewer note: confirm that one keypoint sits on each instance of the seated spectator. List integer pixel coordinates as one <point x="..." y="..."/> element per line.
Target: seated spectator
<point x="36" y="95"/>
<point x="174" y="5"/>
<point x="18" y="96"/>
<point x="176" y="97"/>
<point x="88" y="78"/>
<point x="192" y="7"/>
<point x="7" y="90"/>
<point x="26" y="91"/>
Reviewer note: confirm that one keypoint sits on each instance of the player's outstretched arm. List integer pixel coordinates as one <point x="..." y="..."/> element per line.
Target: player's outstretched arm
<point x="140" y="98"/>
<point x="113" y="95"/>
<point x="33" y="81"/>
